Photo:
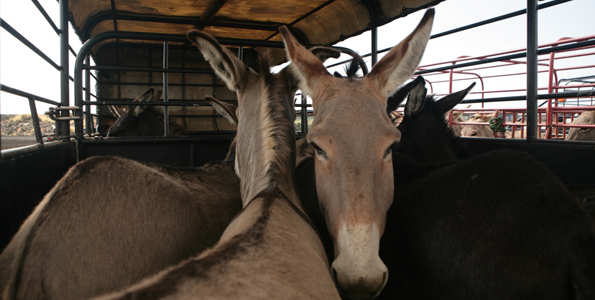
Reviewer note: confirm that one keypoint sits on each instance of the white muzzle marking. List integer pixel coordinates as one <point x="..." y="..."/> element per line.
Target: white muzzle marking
<point x="358" y="271"/>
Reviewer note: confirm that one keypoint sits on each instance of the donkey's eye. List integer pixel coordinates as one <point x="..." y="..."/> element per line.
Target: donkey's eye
<point x="389" y="151"/>
<point x="319" y="151"/>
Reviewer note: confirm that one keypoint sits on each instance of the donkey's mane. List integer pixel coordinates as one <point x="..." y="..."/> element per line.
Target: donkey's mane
<point x="279" y="112"/>
<point x="351" y="68"/>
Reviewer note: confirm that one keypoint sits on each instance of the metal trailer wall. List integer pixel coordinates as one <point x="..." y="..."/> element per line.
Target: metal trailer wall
<point x="25" y="177"/>
<point x="126" y="70"/>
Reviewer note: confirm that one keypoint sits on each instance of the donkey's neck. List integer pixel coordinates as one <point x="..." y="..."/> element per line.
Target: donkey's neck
<point x="266" y="145"/>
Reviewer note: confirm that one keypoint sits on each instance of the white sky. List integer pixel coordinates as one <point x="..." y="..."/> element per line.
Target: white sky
<point x="22" y="69"/>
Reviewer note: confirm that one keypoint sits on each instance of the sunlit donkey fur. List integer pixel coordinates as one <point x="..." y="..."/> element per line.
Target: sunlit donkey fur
<point x="353" y="137"/>
<point x="270" y="250"/>
<point x="585" y="134"/>
<point x="111" y="221"/>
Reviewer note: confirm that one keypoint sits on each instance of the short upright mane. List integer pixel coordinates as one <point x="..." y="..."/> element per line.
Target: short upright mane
<point x="277" y="112"/>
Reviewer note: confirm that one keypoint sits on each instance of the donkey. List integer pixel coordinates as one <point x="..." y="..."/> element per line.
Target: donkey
<point x="353" y="137"/>
<point x="144" y="199"/>
<point x="585" y="133"/>
<point x="111" y="221"/>
<point x="144" y="120"/>
<point x="449" y="235"/>
<point x="473" y="130"/>
<point x="270" y="250"/>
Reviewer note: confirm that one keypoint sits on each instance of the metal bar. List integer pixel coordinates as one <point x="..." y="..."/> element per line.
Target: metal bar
<point x="169" y="103"/>
<point x="304" y="115"/>
<point x="35" y="120"/>
<point x="88" y="97"/>
<point x="507" y="57"/>
<point x="374" y="44"/>
<point x="194" y="21"/>
<point x="147" y="69"/>
<point x="27" y="43"/>
<point x="165" y="91"/>
<point x="576" y="94"/>
<point x="151" y="83"/>
<point x="531" y="70"/>
<point x="211" y="10"/>
<point x="550" y="89"/>
<point x="46" y="16"/>
<point x="5" y="88"/>
<point x="63" y="127"/>
<point x="183" y="39"/>
<point x="496" y="19"/>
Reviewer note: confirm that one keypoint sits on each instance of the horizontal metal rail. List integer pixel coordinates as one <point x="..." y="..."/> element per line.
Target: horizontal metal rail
<point x="148" y="69"/>
<point x="470" y="26"/>
<point x="18" y="92"/>
<point x="27" y="43"/>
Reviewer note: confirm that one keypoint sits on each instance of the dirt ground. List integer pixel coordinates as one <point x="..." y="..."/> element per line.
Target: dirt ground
<point x="9" y="142"/>
<point x="17" y="130"/>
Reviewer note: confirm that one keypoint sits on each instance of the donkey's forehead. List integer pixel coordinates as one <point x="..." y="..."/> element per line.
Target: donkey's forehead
<point x="351" y="91"/>
<point x="361" y="119"/>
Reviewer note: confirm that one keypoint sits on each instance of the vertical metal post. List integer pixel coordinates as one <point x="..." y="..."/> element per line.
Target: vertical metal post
<point x="35" y="121"/>
<point x="63" y="126"/>
<point x="531" y="70"/>
<point x="165" y="85"/>
<point x="89" y="117"/>
<point x="241" y="53"/>
<point x="304" y="115"/>
<point x="550" y="89"/>
<point x="374" y="44"/>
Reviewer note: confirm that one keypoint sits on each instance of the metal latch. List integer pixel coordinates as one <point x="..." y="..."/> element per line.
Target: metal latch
<point x="54" y="113"/>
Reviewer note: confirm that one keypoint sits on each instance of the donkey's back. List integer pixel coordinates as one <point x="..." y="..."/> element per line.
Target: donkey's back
<point x="270" y="251"/>
<point x="111" y="221"/>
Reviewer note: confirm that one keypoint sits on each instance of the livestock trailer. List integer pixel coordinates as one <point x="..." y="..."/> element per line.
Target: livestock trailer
<point x="129" y="46"/>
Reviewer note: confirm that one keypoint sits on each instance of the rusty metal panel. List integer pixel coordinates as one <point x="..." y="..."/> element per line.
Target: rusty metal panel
<point x="321" y="22"/>
<point x="267" y="11"/>
<point x="330" y="24"/>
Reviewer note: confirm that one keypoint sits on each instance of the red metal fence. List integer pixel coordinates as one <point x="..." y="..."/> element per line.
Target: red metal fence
<point x="555" y="114"/>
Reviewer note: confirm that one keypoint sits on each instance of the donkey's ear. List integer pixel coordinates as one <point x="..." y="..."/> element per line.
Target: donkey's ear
<point x="397" y="98"/>
<point x="324" y="53"/>
<point x="156" y="96"/>
<point x="417" y="97"/>
<point x="305" y="65"/>
<point x="402" y="60"/>
<point x="448" y="102"/>
<point x="227" y="66"/>
<point x="225" y="109"/>
<point x="146" y="97"/>
<point x="116" y="111"/>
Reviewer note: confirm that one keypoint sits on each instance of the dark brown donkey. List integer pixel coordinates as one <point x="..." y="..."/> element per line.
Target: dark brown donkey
<point x="143" y="120"/>
<point x="452" y="234"/>
<point x="270" y="250"/>
<point x="353" y="138"/>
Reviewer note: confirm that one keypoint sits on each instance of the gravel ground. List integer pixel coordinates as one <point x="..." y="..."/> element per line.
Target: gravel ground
<point x="9" y="142"/>
<point x="17" y="130"/>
